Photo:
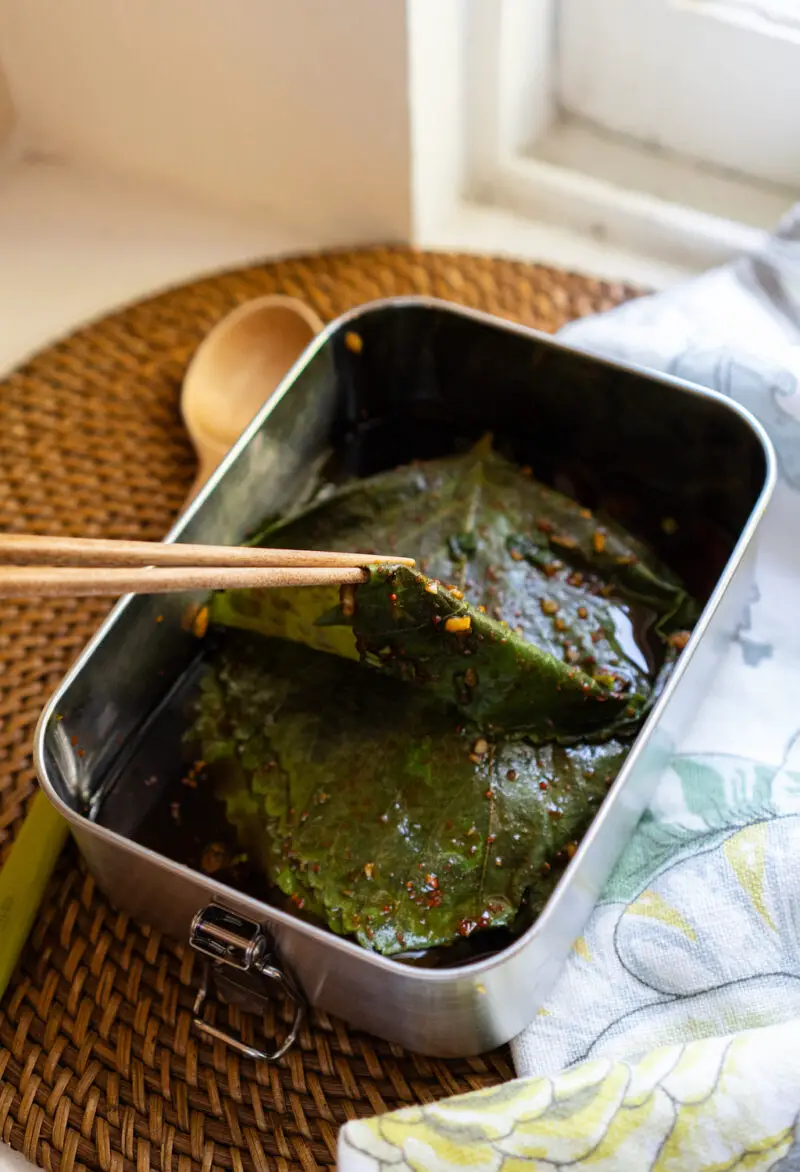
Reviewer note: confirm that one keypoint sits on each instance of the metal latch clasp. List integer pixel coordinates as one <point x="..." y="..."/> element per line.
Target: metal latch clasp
<point x="240" y="958"/>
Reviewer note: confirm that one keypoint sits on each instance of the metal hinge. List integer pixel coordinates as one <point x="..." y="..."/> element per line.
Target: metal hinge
<point x="240" y="958"/>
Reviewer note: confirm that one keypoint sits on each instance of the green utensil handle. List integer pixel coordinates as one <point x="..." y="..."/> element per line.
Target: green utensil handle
<point x="23" y="879"/>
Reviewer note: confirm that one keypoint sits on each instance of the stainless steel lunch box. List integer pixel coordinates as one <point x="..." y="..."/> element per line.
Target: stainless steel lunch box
<point x="394" y="380"/>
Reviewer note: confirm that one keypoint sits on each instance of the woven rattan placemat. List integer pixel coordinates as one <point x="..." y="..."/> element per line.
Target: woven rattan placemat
<point x="98" y="1065"/>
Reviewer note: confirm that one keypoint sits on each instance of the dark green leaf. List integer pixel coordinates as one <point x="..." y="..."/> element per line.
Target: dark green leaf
<point x="419" y="796"/>
<point x="404" y="841"/>
<point x="419" y="632"/>
<point x="588" y="594"/>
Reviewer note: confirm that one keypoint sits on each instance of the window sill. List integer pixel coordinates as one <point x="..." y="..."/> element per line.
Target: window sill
<point x="75" y="245"/>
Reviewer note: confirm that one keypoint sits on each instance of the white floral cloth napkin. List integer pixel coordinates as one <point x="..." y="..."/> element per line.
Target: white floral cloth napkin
<point x="697" y="932"/>
<point x="676" y="1020"/>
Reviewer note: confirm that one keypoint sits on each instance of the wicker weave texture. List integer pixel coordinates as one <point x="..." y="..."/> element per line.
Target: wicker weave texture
<point x="98" y="1064"/>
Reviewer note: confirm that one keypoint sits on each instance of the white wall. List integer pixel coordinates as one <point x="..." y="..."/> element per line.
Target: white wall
<point x="437" y="85"/>
<point x="294" y="109"/>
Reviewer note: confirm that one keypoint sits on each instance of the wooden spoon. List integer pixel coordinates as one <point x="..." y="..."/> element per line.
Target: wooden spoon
<point x="236" y="368"/>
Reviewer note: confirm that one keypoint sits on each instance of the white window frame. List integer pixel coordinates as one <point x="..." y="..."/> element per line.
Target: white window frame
<point x="582" y="181"/>
<point x="716" y="80"/>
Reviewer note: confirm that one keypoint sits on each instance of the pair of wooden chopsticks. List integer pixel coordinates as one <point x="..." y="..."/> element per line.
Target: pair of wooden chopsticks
<point x="57" y="566"/>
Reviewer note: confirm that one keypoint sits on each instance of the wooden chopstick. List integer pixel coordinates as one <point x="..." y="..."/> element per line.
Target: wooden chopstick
<point x="27" y="548"/>
<point x="59" y="581"/>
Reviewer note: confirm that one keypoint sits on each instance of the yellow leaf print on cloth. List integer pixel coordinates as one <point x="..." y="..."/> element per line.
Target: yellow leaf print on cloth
<point x="746" y="855"/>
<point x="651" y="904"/>
<point x="722" y="1103"/>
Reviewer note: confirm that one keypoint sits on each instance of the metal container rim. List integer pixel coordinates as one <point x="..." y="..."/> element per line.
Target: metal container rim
<point x="326" y="938"/>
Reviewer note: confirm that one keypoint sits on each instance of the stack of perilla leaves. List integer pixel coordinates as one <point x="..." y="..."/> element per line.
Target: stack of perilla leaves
<point x="409" y="759"/>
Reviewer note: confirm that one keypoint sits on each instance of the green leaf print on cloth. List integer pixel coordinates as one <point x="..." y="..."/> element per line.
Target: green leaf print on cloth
<point x="697" y="932"/>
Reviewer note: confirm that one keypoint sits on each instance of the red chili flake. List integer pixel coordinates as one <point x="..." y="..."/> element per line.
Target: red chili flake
<point x="545" y="868"/>
<point x="489" y="794"/>
<point x="432" y="881"/>
<point x="73" y="741"/>
<point x="679" y="639"/>
<point x="544" y="526"/>
<point x="512" y="775"/>
<point x="215" y="857"/>
<point x="542" y="785"/>
<point x="315" y="868"/>
<point x="598" y="635"/>
<point x="436" y="620"/>
<point x="81" y="752"/>
<point x="490" y="838"/>
<point x="466" y="927"/>
<point x="393" y="598"/>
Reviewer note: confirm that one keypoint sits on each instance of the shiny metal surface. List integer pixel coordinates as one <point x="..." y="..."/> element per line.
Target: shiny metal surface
<point x="432" y="369"/>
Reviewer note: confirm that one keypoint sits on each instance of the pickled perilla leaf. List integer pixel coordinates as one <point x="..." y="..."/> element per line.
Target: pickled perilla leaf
<point x="416" y="630"/>
<point x="373" y="811"/>
<point x="513" y="552"/>
<point x="409" y="798"/>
